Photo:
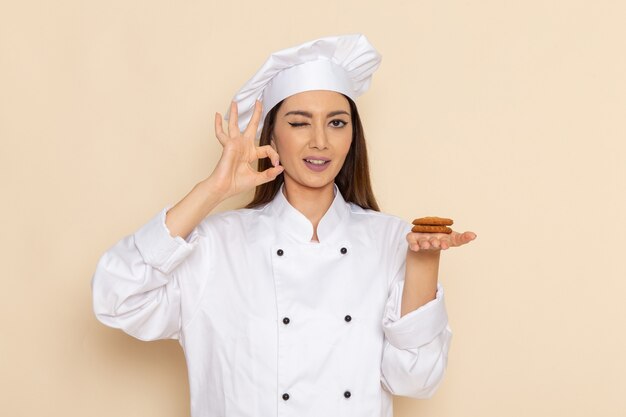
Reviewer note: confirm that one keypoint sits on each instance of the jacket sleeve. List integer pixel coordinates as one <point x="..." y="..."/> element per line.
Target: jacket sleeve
<point x="135" y="286"/>
<point x="416" y="345"/>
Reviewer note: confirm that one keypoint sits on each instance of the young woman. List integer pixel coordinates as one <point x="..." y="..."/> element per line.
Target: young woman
<point x="309" y="301"/>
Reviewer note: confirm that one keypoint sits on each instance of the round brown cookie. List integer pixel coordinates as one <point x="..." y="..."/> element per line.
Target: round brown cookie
<point x="433" y="221"/>
<point x="420" y="228"/>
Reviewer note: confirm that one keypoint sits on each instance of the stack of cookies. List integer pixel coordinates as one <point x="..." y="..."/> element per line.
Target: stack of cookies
<point x="432" y="225"/>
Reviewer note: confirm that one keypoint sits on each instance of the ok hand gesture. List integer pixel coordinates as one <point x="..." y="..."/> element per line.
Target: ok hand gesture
<point x="234" y="173"/>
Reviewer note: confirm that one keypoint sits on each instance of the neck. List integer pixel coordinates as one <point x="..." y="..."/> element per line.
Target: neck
<point x="312" y="202"/>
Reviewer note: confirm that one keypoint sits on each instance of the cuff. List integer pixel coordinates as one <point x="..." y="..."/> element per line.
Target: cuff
<point x="418" y="327"/>
<point x="159" y="248"/>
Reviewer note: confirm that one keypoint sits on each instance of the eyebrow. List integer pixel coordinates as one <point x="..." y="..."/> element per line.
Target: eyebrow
<point x="310" y="115"/>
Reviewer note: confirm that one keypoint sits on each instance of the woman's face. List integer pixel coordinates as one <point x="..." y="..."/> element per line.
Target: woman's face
<point x="312" y="135"/>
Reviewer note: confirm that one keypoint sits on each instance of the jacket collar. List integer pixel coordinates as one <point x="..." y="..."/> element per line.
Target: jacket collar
<point x="295" y="224"/>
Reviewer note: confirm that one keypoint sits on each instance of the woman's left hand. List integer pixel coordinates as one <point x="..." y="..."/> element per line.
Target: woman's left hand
<point x="438" y="241"/>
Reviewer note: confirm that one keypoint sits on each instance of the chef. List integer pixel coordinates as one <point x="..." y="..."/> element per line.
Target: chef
<point x="309" y="301"/>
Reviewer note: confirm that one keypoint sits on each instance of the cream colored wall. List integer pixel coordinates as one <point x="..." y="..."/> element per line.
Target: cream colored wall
<point x="507" y="116"/>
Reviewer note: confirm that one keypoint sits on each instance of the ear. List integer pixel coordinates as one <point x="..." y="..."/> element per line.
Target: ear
<point x="272" y="143"/>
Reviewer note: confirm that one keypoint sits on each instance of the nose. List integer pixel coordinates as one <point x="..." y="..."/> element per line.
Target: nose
<point x="319" y="139"/>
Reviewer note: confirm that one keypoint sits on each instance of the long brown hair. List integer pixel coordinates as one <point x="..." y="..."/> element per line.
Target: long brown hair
<point x="353" y="179"/>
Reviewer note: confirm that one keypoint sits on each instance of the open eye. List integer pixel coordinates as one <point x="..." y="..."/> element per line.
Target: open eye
<point x="338" y="123"/>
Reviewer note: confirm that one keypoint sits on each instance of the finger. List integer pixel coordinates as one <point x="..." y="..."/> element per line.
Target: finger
<point x="219" y="130"/>
<point x="459" y="239"/>
<point x="269" y="174"/>
<point x="424" y="244"/>
<point x="417" y="238"/>
<point x="266" y="151"/>
<point x="413" y="238"/>
<point x="435" y="243"/>
<point x="444" y="241"/>
<point x="233" y="126"/>
<point x="254" y="121"/>
<point x="467" y="237"/>
<point x="412" y="242"/>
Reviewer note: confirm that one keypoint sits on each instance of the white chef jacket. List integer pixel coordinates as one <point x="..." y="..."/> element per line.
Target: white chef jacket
<point x="273" y="324"/>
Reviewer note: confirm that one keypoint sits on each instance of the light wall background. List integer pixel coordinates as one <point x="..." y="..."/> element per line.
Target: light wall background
<point x="508" y="116"/>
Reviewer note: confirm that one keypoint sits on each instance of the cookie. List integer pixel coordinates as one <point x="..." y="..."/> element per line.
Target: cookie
<point x="433" y="221"/>
<point x="421" y="228"/>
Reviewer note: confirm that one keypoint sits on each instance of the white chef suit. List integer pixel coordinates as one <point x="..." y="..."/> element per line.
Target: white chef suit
<point x="273" y="324"/>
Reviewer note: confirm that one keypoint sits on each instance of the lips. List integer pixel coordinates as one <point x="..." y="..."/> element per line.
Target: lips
<point x="316" y="163"/>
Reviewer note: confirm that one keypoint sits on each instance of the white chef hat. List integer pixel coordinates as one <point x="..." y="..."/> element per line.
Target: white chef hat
<point x="338" y="63"/>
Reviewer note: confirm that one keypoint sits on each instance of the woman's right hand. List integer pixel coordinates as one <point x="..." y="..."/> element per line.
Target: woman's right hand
<point x="234" y="173"/>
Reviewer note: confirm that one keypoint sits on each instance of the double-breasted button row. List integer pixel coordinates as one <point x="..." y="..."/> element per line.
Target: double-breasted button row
<point x="281" y="252"/>
<point x="346" y="394"/>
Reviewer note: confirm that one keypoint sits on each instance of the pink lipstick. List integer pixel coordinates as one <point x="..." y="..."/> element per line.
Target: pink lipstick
<point x="316" y="163"/>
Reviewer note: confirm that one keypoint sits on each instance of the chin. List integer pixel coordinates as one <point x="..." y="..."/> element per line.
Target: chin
<point x="314" y="183"/>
